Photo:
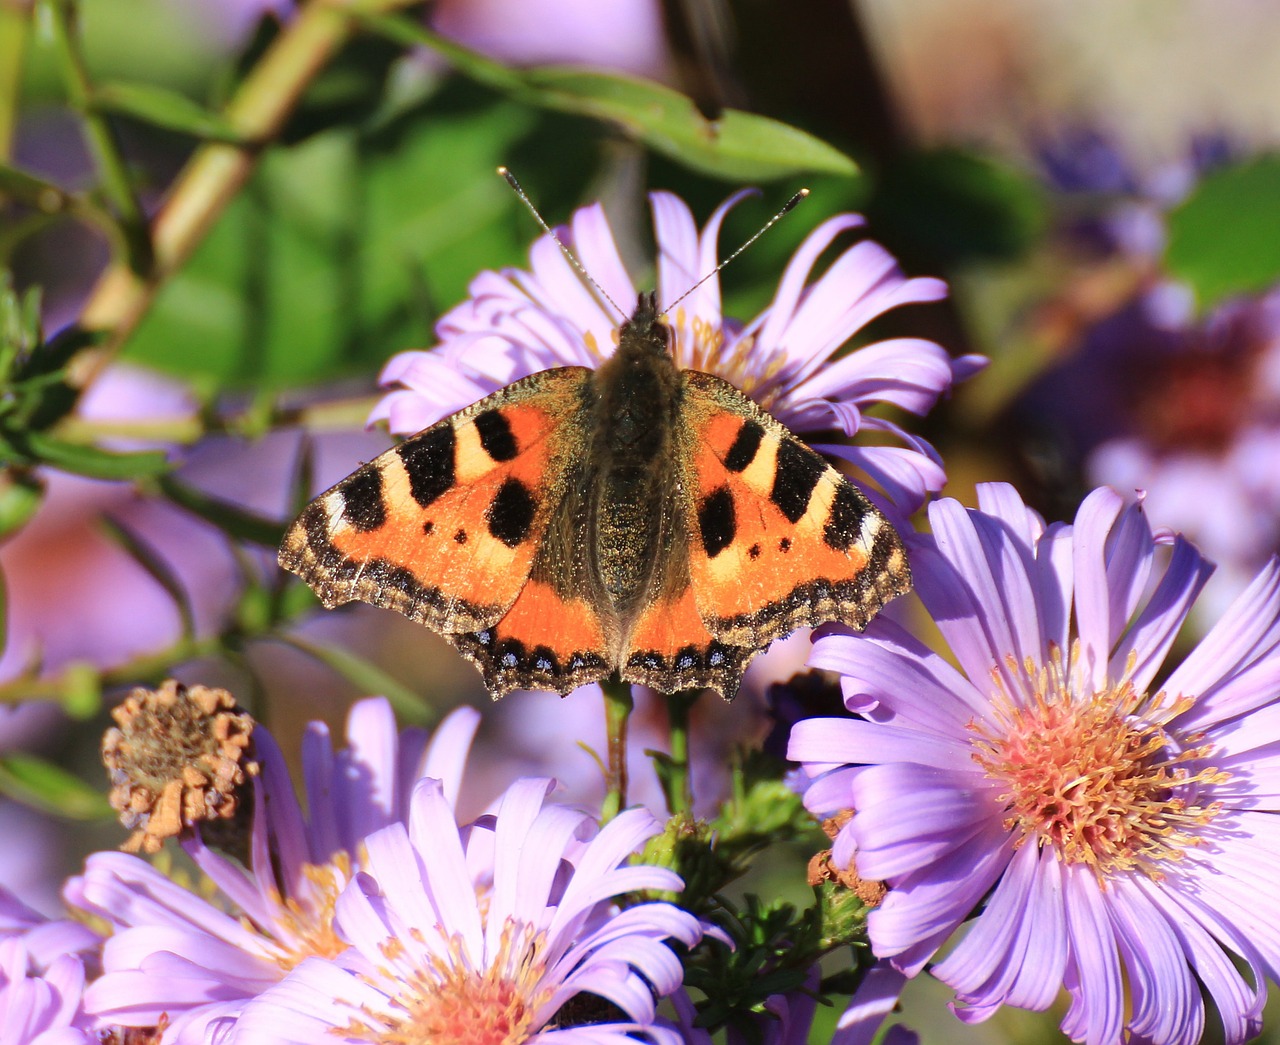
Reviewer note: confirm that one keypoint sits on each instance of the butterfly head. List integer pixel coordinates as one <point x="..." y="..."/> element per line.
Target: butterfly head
<point x="645" y="333"/>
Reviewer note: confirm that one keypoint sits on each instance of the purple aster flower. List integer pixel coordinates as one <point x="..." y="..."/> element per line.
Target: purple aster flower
<point x="45" y="939"/>
<point x="482" y="935"/>
<point x="1200" y="431"/>
<point x="41" y="1007"/>
<point x="174" y="953"/>
<point x="518" y="322"/>
<point x="1115" y="835"/>
<point x="1185" y="408"/>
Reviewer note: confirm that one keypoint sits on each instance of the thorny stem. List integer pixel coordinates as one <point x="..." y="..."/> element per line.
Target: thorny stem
<point x="618" y="704"/>
<point x="218" y="170"/>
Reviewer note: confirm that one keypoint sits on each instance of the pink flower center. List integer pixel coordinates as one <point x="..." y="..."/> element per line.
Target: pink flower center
<point x="1097" y="776"/>
<point x="443" y="999"/>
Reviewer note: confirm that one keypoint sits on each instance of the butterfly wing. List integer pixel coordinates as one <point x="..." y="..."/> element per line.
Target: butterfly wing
<point x="445" y="527"/>
<point x="668" y="646"/>
<point x="779" y="538"/>
<point x="557" y="634"/>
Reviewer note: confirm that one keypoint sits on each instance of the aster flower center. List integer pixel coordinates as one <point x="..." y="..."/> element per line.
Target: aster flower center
<point x="1097" y="776"/>
<point x="700" y="346"/>
<point x="446" y="1000"/>
<point x="305" y="924"/>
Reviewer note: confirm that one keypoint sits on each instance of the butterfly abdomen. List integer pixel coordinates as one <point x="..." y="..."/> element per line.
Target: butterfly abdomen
<point x="637" y="396"/>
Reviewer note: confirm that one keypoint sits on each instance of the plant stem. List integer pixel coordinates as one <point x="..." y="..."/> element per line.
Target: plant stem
<point x="618" y="704"/>
<point x="680" y="796"/>
<point x="217" y="171"/>
<point x="15" y="28"/>
<point x="105" y="149"/>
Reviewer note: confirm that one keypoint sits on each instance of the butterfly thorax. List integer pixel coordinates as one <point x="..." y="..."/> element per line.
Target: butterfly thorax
<point x="636" y="395"/>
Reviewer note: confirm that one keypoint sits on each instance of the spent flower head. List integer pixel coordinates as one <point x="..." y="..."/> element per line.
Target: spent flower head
<point x="177" y="954"/>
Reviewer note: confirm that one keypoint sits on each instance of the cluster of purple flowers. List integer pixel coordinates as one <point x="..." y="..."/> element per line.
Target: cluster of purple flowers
<point x="1050" y="806"/>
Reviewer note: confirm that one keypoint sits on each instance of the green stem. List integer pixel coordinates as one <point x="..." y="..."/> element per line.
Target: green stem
<point x="15" y="28"/>
<point x="618" y="704"/>
<point x="104" y="147"/>
<point x="218" y="170"/>
<point x="680" y="793"/>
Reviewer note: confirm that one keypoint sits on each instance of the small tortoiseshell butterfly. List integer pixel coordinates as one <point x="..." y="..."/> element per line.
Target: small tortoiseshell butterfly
<point x="636" y="518"/>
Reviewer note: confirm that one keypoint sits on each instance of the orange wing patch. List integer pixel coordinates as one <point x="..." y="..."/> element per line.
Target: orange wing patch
<point x="670" y="649"/>
<point x="445" y="527"/>
<point x="780" y="538"/>
<point x="544" y="641"/>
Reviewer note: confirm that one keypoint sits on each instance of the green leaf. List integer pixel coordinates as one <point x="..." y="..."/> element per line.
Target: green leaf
<point x="93" y="461"/>
<point x="343" y="249"/>
<point x="1225" y="239"/>
<point x="45" y="786"/>
<point x="150" y="560"/>
<point x="367" y="678"/>
<point x="737" y="146"/>
<point x="945" y="207"/>
<point x="163" y="108"/>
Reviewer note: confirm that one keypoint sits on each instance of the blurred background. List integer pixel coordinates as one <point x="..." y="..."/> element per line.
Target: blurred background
<point x="1097" y="181"/>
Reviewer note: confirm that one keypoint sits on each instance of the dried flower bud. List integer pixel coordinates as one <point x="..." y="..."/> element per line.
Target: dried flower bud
<point x="176" y="757"/>
<point x="134" y="1035"/>
<point x="821" y="868"/>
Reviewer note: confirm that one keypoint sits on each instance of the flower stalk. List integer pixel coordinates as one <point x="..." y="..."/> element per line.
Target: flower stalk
<point x="618" y="705"/>
<point x="217" y="171"/>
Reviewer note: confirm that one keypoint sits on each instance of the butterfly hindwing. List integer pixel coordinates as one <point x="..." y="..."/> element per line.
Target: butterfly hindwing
<point x="445" y="527"/>
<point x="779" y="538"/>
<point x="554" y="635"/>
<point x="669" y="647"/>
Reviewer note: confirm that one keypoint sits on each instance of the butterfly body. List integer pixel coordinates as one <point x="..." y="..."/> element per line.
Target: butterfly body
<point x="636" y="518"/>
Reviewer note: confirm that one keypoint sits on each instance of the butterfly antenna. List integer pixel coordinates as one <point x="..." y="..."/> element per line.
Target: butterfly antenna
<point x="763" y="229"/>
<point x="515" y="187"/>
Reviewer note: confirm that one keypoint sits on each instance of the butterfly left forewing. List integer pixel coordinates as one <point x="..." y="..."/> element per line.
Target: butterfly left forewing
<point x="779" y="538"/>
<point x="445" y="527"/>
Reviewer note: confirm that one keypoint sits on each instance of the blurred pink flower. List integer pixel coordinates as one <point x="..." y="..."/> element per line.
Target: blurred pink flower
<point x="623" y="35"/>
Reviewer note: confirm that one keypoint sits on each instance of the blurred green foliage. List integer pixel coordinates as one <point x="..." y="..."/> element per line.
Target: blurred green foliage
<point x="1225" y="238"/>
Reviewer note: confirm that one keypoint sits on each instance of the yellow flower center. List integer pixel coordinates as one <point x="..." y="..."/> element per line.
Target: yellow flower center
<point x="305" y="925"/>
<point x="700" y="346"/>
<point x="1096" y="776"/>
<point x="448" y="1001"/>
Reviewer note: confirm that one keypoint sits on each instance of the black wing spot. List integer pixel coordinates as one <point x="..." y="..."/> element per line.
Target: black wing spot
<point x="460" y="536"/>
<point x="428" y="526"/>
<point x="543" y="659"/>
<point x="362" y="504"/>
<point x="429" y="461"/>
<point x="844" y="526"/>
<point x="687" y="659"/>
<point x="798" y="472"/>
<point x="745" y="446"/>
<point x="496" y="437"/>
<point x="511" y="512"/>
<point x="784" y="545"/>
<point x="717" y="521"/>
<point x="754" y="551"/>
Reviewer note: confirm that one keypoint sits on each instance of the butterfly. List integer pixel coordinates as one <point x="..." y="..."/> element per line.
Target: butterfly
<point x="634" y="518"/>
